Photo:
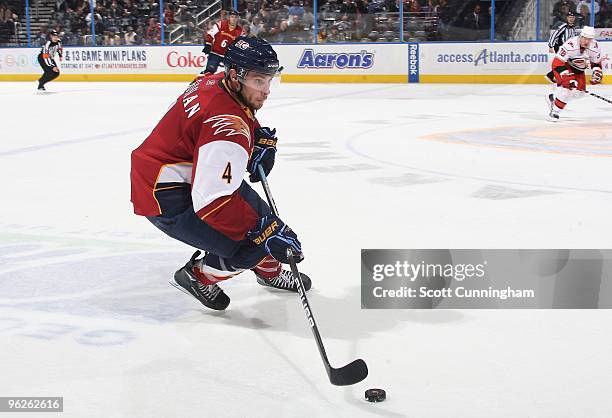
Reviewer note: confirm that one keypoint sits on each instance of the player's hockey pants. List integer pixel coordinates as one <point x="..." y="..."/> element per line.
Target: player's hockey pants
<point x="212" y="63"/>
<point x="49" y="73"/>
<point x="179" y="221"/>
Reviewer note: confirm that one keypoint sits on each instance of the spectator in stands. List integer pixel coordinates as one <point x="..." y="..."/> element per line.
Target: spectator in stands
<point x="564" y="9"/>
<point x="334" y="35"/>
<point x="391" y="6"/>
<point x="308" y="18"/>
<point x="130" y="37"/>
<point x="7" y="22"/>
<point x="60" y="5"/>
<point x="249" y="12"/>
<point x="296" y="9"/>
<point x="348" y="7"/>
<point x="115" y="11"/>
<point x="77" y="22"/>
<point x="587" y="3"/>
<point x="374" y="7"/>
<point x="584" y="17"/>
<point x="41" y="36"/>
<point x="326" y="10"/>
<point x="282" y="31"/>
<point x="345" y="25"/>
<point x="256" y="26"/>
<point x="97" y="17"/>
<point x="444" y="13"/>
<point x="111" y="39"/>
<point x="169" y="14"/>
<point x="362" y="7"/>
<point x="607" y="14"/>
<point x="413" y="6"/>
<point x="281" y="11"/>
<point x="153" y="33"/>
<point x="560" y="10"/>
<point x="140" y="34"/>
<point x="476" y="20"/>
<point x="268" y="19"/>
<point x="74" y="4"/>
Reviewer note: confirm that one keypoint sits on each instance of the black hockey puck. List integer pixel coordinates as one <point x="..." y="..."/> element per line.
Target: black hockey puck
<point x="375" y="395"/>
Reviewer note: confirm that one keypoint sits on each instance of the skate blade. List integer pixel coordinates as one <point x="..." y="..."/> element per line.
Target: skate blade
<point x="181" y="288"/>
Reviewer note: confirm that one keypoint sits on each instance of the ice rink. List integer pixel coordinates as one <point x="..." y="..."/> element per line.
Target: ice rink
<point x="86" y="311"/>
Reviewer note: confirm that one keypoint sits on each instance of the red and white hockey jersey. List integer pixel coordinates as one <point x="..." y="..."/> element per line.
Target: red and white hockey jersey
<point x="205" y="140"/>
<point x="572" y="51"/>
<point x="221" y="36"/>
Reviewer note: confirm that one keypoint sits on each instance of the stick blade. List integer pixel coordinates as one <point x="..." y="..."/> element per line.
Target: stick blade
<point x="350" y="374"/>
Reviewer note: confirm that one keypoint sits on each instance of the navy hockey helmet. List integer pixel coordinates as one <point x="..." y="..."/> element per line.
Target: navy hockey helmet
<point x="251" y="54"/>
<point x="233" y="12"/>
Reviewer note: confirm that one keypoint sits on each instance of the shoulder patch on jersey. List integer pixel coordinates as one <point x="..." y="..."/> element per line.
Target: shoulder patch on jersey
<point x="231" y="125"/>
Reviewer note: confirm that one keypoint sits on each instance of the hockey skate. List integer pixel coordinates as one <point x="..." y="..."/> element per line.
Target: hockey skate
<point x="211" y="296"/>
<point x="553" y="115"/>
<point x="285" y="281"/>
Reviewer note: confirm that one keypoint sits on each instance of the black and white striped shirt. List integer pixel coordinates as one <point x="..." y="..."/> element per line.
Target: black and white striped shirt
<point x="49" y="50"/>
<point x="561" y="35"/>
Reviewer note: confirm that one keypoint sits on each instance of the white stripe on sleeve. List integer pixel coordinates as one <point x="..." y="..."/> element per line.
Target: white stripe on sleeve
<point x="214" y="31"/>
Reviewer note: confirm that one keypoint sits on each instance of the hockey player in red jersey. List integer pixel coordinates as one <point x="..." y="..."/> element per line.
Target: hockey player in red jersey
<point x="187" y="178"/>
<point x="218" y="39"/>
<point x="569" y="65"/>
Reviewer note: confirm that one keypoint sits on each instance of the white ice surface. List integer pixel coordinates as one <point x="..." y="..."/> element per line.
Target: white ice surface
<point x="86" y="311"/>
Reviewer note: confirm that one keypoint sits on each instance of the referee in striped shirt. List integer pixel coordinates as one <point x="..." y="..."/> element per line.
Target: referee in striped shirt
<point x="46" y="59"/>
<point x="560" y="36"/>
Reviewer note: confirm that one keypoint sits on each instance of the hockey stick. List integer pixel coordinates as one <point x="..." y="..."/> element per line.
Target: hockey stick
<point x="353" y="372"/>
<point x="598" y="96"/>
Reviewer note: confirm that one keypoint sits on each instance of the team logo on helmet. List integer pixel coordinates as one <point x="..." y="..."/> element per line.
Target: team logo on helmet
<point x="230" y="125"/>
<point x="242" y="44"/>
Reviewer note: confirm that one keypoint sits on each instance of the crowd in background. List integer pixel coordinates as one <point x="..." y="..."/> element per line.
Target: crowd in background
<point x="132" y="22"/>
<point x="115" y="22"/>
<point x="137" y="22"/>
<point x="8" y="20"/>
<point x="602" y="10"/>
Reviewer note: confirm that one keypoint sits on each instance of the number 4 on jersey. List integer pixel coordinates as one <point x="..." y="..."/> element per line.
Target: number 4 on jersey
<point x="227" y="173"/>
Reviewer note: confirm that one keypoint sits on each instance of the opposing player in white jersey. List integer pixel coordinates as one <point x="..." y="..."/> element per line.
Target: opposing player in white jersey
<point x="572" y="60"/>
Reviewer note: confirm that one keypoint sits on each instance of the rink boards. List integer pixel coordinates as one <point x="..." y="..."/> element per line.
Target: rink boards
<point x="506" y="62"/>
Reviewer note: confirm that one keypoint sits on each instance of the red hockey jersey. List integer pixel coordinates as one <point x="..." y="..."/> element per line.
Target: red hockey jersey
<point x="221" y="36"/>
<point x="206" y="140"/>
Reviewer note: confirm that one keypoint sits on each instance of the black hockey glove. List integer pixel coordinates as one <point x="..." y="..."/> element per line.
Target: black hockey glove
<point x="207" y="48"/>
<point x="264" y="153"/>
<point x="276" y="238"/>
